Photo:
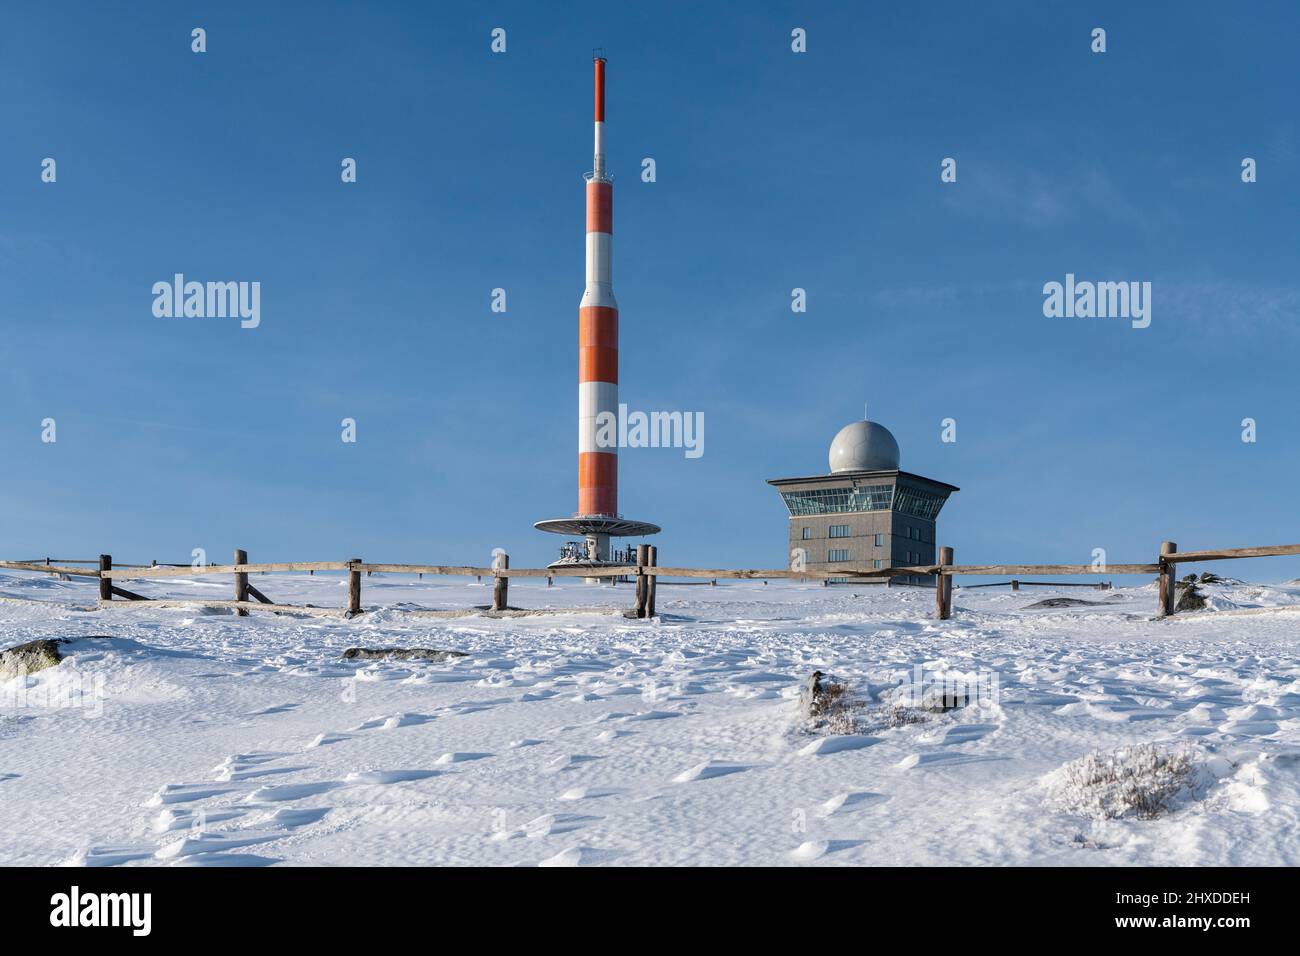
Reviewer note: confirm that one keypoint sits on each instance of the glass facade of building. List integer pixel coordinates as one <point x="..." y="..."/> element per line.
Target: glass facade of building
<point x="903" y="499"/>
<point x="823" y="501"/>
<point x="918" y="503"/>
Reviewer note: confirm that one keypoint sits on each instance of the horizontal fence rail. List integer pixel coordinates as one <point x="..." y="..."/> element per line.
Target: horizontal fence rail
<point x="49" y="568"/>
<point x="1272" y="551"/>
<point x="646" y="573"/>
<point x="126" y="573"/>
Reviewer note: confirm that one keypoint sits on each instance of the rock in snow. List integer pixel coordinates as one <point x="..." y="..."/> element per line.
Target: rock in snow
<point x="400" y="654"/>
<point x="29" y="658"/>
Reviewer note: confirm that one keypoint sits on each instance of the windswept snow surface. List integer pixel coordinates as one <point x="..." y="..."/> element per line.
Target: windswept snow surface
<point x="203" y="739"/>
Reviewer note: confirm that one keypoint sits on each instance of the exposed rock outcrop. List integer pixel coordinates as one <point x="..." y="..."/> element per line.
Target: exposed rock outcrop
<point x="1064" y="602"/>
<point x="400" y="654"/>
<point x="29" y="658"/>
<point x="1190" y="597"/>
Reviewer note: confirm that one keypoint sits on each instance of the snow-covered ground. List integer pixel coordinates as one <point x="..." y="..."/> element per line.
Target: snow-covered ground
<point x="600" y="740"/>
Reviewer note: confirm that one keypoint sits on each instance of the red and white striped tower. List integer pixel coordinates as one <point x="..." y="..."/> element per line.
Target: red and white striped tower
<point x="598" y="334"/>
<point x="597" y="518"/>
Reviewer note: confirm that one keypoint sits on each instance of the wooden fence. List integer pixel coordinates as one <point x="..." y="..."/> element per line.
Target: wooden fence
<point x="646" y="573"/>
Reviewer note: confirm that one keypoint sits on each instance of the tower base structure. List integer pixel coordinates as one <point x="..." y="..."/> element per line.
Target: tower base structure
<point x="595" y="531"/>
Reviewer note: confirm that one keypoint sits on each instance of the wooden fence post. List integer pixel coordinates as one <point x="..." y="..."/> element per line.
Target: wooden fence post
<point x="1168" y="574"/>
<point x="241" y="582"/>
<point x="501" y="586"/>
<point x="642" y="556"/>
<point x="943" y="588"/>
<point x="1015" y="585"/>
<point x="947" y="582"/>
<point x="651" y="581"/>
<point x="354" y="588"/>
<point x="105" y="584"/>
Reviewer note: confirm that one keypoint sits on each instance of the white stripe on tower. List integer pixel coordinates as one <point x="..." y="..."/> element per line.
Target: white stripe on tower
<point x="598" y="334"/>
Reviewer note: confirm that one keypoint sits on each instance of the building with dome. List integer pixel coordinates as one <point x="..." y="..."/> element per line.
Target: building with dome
<point x="866" y="512"/>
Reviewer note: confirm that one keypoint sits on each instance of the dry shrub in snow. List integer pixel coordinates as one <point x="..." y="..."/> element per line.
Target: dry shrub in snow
<point x="1141" y="782"/>
<point x="891" y="716"/>
<point x="834" y="709"/>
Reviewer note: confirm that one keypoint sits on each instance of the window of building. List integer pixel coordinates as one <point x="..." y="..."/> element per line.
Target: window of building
<point x="877" y="563"/>
<point x="880" y="541"/>
<point x="807" y="533"/>
<point x="839" y="531"/>
<point x="837" y="554"/>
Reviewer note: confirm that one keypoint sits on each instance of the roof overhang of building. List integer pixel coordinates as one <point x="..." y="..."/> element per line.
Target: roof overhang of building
<point x="862" y="477"/>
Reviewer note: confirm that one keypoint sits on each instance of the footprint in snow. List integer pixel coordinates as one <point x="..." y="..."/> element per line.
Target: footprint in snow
<point x="568" y="761"/>
<point x="548" y="824"/>
<point x="393" y="722"/>
<point x="816" y="849"/>
<point x="707" y="771"/>
<point x="538" y="695"/>
<point x="256" y="756"/>
<point x="278" y="709"/>
<point x="405" y="720"/>
<point x="170" y="820"/>
<point x="242" y="860"/>
<point x="459" y="756"/>
<point x="959" y="734"/>
<point x="586" y="793"/>
<point x="290" y="791"/>
<point x="385" y="777"/>
<point x="290" y="818"/>
<point x="236" y="772"/>
<point x="570" y="857"/>
<point x="836" y="743"/>
<point x="942" y="759"/>
<point x="851" y="800"/>
<point x="170" y="793"/>
<point x="1249" y="728"/>
<point x="464" y="709"/>
<point x="209" y="843"/>
<point x="108" y="855"/>
<point x="649" y="715"/>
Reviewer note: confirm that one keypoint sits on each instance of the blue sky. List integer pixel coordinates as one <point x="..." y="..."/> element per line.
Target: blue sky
<point x="775" y="170"/>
